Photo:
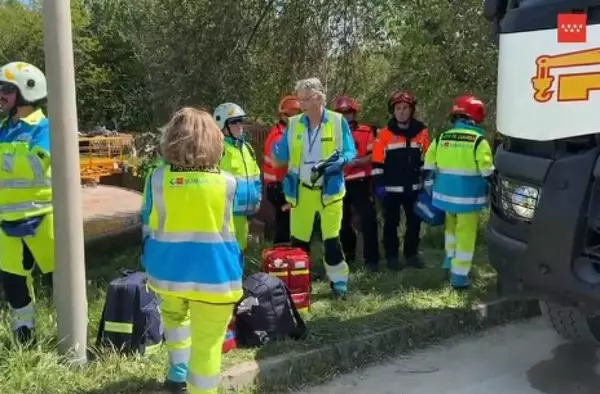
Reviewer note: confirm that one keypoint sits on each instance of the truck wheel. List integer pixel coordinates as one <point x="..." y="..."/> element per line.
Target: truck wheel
<point x="572" y="323"/>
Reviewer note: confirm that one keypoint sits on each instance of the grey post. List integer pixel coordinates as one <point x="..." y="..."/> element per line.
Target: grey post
<point x="69" y="277"/>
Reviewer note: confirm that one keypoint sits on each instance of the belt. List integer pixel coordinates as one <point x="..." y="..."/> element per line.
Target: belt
<point x="311" y="187"/>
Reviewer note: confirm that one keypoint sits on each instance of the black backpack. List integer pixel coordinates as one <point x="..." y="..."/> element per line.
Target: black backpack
<point x="130" y="321"/>
<point x="267" y="312"/>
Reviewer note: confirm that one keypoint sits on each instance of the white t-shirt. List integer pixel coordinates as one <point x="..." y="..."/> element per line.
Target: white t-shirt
<point x="311" y="155"/>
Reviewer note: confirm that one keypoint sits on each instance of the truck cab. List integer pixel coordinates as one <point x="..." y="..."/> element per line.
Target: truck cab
<point x="544" y="228"/>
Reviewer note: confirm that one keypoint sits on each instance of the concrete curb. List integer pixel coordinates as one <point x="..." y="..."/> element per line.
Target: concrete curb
<point x="277" y="374"/>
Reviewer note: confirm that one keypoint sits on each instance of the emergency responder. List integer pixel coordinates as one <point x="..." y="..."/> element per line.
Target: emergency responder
<point x="460" y="164"/>
<point x="239" y="159"/>
<point x="397" y="170"/>
<point x="273" y="176"/>
<point x="359" y="189"/>
<point x="191" y="256"/>
<point x="26" y="214"/>
<point x="317" y="136"/>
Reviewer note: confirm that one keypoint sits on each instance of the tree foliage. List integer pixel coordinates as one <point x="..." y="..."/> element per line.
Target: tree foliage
<point x="138" y="61"/>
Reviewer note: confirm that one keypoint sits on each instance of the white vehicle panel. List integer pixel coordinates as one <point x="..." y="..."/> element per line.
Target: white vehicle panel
<point x="571" y="104"/>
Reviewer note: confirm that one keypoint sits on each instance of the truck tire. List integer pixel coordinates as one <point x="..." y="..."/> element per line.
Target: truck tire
<point x="571" y="323"/>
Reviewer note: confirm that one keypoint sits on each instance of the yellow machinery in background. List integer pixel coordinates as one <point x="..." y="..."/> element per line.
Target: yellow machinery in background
<point x="101" y="156"/>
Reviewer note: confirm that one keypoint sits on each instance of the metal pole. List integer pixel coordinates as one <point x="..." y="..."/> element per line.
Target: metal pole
<point x="69" y="276"/>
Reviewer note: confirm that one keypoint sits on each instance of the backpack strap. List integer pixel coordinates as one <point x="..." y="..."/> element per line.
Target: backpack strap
<point x="301" y="329"/>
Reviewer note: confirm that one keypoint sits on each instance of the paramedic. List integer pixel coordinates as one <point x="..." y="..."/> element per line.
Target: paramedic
<point x="397" y="172"/>
<point x="460" y="163"/>
<point x="191" y="256"/>
<point x="273" y="176"/>
<point x="26" y="214"/>
<point x="239" y="159"/>
<point x="309" y="138"/>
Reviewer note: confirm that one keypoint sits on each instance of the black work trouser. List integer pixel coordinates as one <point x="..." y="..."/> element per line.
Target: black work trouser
<point x="392" y="205"/>
<point x="359" y="195"/>
<point x="282" y="219"/>
<point x="15" y="287"/>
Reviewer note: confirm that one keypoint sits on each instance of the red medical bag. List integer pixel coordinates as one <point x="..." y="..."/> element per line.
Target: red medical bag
<point x="292" y="266"/>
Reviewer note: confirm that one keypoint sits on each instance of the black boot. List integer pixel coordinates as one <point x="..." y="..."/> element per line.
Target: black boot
<point x="176" y="387"/>
<point x="24" y="336"/>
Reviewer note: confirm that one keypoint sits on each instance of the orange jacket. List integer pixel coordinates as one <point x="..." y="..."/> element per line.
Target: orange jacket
<point x="363" y="136"/>
<point x="270" y="173"/>
<point x="398" y="157"/>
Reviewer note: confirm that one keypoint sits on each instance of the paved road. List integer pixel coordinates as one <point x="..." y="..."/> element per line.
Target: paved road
<point x="524" y="358"/>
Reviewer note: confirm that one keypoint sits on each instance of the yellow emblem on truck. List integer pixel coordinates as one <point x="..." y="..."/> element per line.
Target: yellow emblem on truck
<point x="570" y="87"/>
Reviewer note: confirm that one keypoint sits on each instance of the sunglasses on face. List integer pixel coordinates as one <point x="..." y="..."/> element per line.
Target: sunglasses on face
<point x="235" y="121"/>
<point x="8" y="88"/>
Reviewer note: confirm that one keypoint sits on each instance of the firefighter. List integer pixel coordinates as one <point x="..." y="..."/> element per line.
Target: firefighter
<point x="357" y="175"/>
<point x="273" y="176"/>
<point x="460" y="164"/>
<point x="26" y="214"/>
<point x="311" y="138"/>
<point x="191" y="256"/>
<point x="239" y="159"/>
<point x="397" y="170"/>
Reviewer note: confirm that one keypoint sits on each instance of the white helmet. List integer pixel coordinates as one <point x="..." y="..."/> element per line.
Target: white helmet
<point x="29" y="79"/>
<point x="227" y="111"/>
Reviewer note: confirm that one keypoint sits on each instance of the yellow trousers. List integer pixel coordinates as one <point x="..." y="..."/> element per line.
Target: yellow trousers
<point x="460" y="238"/>
<point x="194" y="336"/>
<point x="240" y="223"/>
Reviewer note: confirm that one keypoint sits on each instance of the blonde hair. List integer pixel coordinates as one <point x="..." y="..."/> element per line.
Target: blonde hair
<point x="312" y="85"/>
<point x="192" y="139"/>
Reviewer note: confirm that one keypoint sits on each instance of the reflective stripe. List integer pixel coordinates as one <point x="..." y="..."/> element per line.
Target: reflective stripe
<point x="25" y="183"/>
<point x="293" y="273"/>
<point x="425" y="208"/>
<point x="459" y="269"/>
<point x="400" y="189"/>
<point x="428" y="182"/>
<point x="145" y="231"/>
<point x="464" y="256"/>
<point x="269" y="177"/>
<point x="459" y="200"/>
<point x="203" y="382"/>
<point x="459" y="172"/>
<point x="485" y="173"/>
<point x="338" y="272"/>
<point x="8" y="162"/>
<point x="225" y="235"/>
<point x="449" y="244"/>
<point x="247" y="178"/>
<point x="430" y="166"/>
<point x="268" y="160"/>
<point x="377" y="171"/>
<point x="220" y="288"/>
<point x="120" y="328"/>
<point x="36" y="166"/>
<point x="179" y="356"/>
<point x="23" y="317"/>
<point x="401" y="145"/>
<point x="178" y="334"/>
<point x="24" y="206"/>
<point x="356" y="175"/>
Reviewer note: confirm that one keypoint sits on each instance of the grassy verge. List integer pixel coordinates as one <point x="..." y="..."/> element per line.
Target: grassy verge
<point x="377" y="302"/>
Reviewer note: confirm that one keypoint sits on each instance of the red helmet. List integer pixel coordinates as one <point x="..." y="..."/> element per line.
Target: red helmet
<point x="289" y="106"/>
<point x="401" y="97"/>
<point x="470" y="107"/>
<point x="345" y="104"/>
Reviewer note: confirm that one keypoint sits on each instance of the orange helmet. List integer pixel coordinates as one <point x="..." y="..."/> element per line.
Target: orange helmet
<point x="470" y="107"/>
<point x="289" y="106"/>
<point x="345" y="104"/>
<point x="401" y="97"/>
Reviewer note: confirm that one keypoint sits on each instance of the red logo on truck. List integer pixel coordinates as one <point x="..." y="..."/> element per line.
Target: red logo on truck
<point x="571" y="28"/>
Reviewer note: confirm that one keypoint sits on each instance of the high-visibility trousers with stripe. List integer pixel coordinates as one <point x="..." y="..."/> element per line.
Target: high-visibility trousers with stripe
<point x="461" y="236"/>
<point x="194" y="335"/>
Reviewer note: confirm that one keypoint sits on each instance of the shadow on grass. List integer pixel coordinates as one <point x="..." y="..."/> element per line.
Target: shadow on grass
<point x="131" y="386"/>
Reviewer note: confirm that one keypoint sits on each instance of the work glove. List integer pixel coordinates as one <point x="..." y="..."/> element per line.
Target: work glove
<point x="428" y="182"/>
<point x="335" y="166"/>
<point x="380" y="192"/>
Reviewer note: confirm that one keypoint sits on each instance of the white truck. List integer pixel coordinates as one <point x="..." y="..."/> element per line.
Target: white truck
<point x="544" y="228"/>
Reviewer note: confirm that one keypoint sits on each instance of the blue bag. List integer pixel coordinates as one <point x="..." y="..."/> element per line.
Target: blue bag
<point x="131" y="321"/>
<point x="427" y="212"/>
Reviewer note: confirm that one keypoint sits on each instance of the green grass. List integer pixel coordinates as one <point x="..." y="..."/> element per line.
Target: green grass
<point x="376" y="302"/>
